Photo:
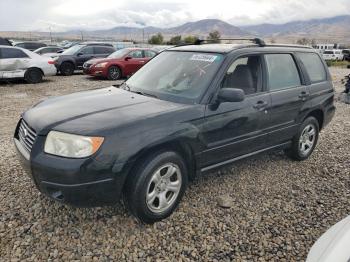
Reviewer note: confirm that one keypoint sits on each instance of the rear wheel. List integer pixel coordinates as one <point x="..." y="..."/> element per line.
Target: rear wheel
<point x="67" y="69"/>
<point x="114" y="73"/>
<point x="304" y="142"/>
<point x="33" y="76"/>
<point x="156" y="187"/>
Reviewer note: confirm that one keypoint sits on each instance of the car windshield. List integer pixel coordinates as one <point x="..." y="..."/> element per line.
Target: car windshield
<point x="328" y="52"/>
<point x="176" y="76"/>
<point x="119" y="53"/>
<point x="72" y="50"/>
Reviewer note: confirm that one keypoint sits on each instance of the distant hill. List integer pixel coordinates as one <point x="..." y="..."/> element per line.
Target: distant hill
<point x="198" y="28"/>
<point x="335" y="28"/>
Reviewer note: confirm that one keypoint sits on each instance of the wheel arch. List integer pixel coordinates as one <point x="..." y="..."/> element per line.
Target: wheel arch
<point x="119" y="66"/>
<point x="35" y="67"/>
<point x="318" y="114"/>
<point x="178" y="146"/>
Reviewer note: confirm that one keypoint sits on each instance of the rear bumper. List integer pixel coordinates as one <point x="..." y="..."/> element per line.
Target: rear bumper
<point x="69" y="181"/>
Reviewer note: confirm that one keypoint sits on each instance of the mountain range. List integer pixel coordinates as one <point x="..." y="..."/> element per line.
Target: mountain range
<point x="334" y="29"/>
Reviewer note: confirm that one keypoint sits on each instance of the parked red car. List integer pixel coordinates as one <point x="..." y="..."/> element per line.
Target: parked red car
<point x="121" y="63"/>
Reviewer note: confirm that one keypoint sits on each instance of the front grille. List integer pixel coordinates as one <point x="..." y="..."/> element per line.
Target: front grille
<point x="26" y="135"/>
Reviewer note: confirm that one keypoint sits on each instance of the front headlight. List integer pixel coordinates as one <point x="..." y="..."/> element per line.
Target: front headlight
<point x="101" y="64"/>
<point x="69" y="145"/>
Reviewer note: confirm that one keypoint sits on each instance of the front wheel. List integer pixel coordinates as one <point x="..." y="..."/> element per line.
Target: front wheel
<point x="156" y="187"/>
<point x="114" y="73"/>
<point x="304" y="142"/>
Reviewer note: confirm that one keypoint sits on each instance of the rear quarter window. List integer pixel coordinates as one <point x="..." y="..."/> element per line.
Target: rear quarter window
<point x="313" y="66"/>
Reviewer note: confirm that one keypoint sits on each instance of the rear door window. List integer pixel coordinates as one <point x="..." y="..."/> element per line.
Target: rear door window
<point x="136" y="54"/>
<point x="7" y="53"/>
<point x="313" y="66"/>
<point x="282" y="71"/>
<point x="102" y="50"/>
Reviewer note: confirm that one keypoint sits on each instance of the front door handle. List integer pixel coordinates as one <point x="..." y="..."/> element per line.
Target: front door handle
<point x="260" y="105"/>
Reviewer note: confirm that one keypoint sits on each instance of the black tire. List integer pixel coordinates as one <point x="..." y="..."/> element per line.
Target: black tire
<point x="67" y="69"/>
<point x="298" y="151"/>
<point x="139" y="186"/>
<point x="114" y="73"/>
<point x="33" y="76"/>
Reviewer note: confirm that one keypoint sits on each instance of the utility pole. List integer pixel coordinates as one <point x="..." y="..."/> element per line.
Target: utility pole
<point x="82" y="36"/>
<point x="50" y="35"/>
<point x="143" y="35"/>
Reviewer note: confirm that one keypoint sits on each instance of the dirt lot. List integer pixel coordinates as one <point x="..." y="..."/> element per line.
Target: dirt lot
<point x="279" y="208"/>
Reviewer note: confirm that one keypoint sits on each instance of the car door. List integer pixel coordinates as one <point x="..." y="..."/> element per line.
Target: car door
<point x="233" y="129"/>
<point x="134" y="61"/>
<point x="13" y="62"/>
<point x="84" y="54"/>
<point x="288" y="96"/>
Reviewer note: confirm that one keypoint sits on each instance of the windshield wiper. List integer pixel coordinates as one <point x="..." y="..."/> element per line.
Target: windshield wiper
<point x="126" y="87"/>
<point x="143" y="93"/>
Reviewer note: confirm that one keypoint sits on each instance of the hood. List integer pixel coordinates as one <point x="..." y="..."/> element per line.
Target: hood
<point x="90" y="111"/>
<point x="99" y="60"/>
<point x="332" y="245"/>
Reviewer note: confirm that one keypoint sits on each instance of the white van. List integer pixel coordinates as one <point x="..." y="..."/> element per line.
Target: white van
<point x="335" y="54"/>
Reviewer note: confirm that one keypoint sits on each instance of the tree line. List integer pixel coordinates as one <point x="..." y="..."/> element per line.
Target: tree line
<point x="158" y="39"/>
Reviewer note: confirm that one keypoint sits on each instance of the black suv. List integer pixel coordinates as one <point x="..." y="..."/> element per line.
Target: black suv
<point x="74" y="57"/>
<point x="191" y="109"/>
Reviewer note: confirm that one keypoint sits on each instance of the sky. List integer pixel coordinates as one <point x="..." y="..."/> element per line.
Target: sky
<point x="64" y="15"/>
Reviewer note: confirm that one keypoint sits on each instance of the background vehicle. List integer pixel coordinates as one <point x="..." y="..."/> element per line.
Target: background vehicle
<point x="334" y="54"/>
<point x="4" y="41"/>
<point x="332" y="245"/>
<point x="73" y="58"/>
<point x="50" y="51"/>
<point x="121" y="63"/>
<point x="346" y="54"/>
<point x="21" y="63"/>
<point x="190" y="109"/>
<point x="30" y="45"/>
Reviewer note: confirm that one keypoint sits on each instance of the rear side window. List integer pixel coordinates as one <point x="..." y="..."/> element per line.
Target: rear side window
<point x="103" y="50"/>
<point x="282" y="71"/>
<point x="149" y="53"/>
<point x="314" y="66"/>
<point x="12" y="53"/>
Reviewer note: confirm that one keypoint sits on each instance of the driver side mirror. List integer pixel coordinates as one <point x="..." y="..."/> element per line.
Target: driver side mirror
<point x="230" y="95"/>
<point x="79" y="54"/>
<point x="128" y="58"/>
<point x="59" y="51"/>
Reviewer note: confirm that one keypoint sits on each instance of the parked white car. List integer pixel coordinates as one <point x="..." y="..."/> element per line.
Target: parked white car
<point x="334" y="54"/>
<point x="332" y="245"/>
<point x="17" y="62"/>
<point x="49" y="51"/>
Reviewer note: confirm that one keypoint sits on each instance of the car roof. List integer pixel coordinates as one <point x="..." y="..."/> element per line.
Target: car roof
<point x="227" y="48"/>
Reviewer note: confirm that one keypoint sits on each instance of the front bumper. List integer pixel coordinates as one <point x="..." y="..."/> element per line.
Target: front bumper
<point x="93" y="72"/>
<point x="78" y="182"/>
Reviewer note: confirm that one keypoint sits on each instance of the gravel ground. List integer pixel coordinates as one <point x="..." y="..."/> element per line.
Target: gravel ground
<point x="279" y="207"/>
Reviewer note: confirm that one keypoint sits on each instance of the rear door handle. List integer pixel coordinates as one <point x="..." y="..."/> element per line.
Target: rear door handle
<point x="303" y="95"/>
<point x="260" y="105"/>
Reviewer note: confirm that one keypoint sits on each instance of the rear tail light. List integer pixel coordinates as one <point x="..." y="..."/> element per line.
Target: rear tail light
<point x="51" y="62"/>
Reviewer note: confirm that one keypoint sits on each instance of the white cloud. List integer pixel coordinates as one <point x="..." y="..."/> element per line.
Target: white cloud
<point x="91" y="14"/>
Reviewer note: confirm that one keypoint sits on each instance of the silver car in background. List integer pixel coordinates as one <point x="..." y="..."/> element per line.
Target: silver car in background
<point x="17" y="63"/>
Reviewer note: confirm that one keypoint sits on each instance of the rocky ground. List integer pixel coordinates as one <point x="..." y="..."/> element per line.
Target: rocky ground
<point x="279" y="207"/>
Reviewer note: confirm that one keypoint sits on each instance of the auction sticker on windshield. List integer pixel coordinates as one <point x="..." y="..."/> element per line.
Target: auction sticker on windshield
<point x="205" y="58"/>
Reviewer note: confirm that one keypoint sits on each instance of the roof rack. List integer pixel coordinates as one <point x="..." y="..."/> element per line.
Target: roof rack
<point x="258" y="41"/>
